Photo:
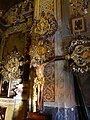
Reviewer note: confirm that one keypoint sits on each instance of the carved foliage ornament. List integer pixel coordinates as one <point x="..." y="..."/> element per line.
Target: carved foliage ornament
<point x="42" y="48"/>
<point x="44" y="27"/>
<point x="40" y="52"/>
<point x="81" y="55"/>
<point x="10" y="66"/>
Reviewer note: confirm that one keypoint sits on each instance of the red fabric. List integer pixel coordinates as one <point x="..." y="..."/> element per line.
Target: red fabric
<point x="35" y="116"/>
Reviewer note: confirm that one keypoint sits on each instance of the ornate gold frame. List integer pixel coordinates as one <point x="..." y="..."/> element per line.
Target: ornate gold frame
<point x="78" y="24"/>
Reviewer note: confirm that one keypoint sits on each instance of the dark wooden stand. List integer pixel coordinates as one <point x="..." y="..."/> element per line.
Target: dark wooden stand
<point x="38" y="116"/>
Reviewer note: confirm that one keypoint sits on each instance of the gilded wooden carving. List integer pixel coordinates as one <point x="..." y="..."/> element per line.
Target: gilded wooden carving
<point x="11" y="72"/>
<point x="40" y="51"/>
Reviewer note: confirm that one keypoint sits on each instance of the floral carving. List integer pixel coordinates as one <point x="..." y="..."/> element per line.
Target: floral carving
<point x="10" y="69"/>
<point x="40" y="52"/>
<point x="45" y="27"/>
<point x="81" y="55"/>
<point x="11" y="72"/>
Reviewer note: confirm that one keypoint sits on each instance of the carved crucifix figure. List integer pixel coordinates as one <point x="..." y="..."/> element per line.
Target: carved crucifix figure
<point x="38" y="87"/>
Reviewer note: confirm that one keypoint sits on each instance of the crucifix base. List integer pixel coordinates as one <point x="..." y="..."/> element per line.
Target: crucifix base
<point x="38" y="116"/>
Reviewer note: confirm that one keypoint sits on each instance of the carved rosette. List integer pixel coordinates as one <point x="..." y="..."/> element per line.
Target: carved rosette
<point x="45" y="27"/>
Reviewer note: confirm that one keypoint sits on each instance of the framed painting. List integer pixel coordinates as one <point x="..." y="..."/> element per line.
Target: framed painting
<point x="6" y="108"/>
<point x="3" y="88"/>
<point x="78" y="24"/>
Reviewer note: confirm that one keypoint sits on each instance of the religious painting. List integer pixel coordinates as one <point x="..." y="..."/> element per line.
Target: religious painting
<point x="78" y="25"/>
<point x="4" y="84"/>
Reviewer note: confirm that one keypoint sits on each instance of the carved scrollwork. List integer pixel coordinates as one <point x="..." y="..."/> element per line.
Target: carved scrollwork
<point x="11" y="71"/>
<point x="10" y="66"/>
<point x="80" y="55"/>
<point x="41" y="48"/>
<point x="40" y="52"/>
<point x="45" y="27"/>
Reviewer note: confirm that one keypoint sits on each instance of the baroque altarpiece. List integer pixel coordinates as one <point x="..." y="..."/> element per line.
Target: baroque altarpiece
<point x="30" y="56"/>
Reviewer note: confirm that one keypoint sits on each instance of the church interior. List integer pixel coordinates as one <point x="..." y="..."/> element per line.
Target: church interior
<point x="44" y="59"/>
